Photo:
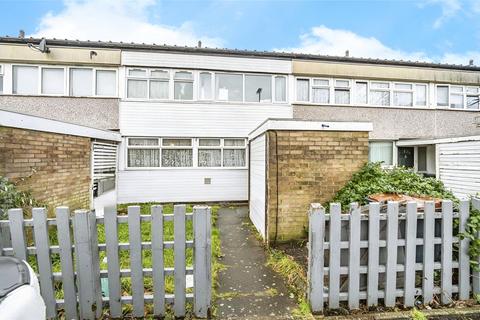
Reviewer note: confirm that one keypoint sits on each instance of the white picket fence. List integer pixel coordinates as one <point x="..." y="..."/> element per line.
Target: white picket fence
<point x="378" y="257"/>
<point x="81" y="274"/>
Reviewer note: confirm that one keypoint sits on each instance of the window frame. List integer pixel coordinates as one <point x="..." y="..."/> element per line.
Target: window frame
<point x="313" y="86"/>
<point x="334" y="87"/>
<point x="465" y="94"/>
<point x="411" y="90"/>
<point x="243" y="87"/>
<point x="274" y="89"/>
<point x="2" y="75"/>
<point x="173" y="80"/>
<point x="195" y="146"/>
<point x="212" y="85"/>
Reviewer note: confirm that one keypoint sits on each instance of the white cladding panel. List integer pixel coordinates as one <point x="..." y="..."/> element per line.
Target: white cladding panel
<point x="459" y="167"/>
<point x="182" y="185"/>
<point x="196" y="119"/>
<point x="257" y="183"/>
<point x="202" y="61"/>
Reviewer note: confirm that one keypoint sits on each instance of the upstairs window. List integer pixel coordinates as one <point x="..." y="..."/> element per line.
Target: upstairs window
<point x="342" y="91"/>
<point x="205" y="91"/>
<point x="229" y="87"/>
<point x="25" y="80"/>
<point x="361" y="92"/>
<point x="442" y="96"/>
<point x="137" y="84"/>
<point x="380" y="93"/>
<point x="1" y="79"/>
<point x="53" y="81"/>
<point x="105" y="83"/>
<point x="456" y="97"/>
<point x="421" y="95"/>
<point x="159" y="84"/>
<point x="280" y="89"/>
<point x="303" y="90"/>
<point x="183" y="85"/>
<point x="403" y="94"/>
<point x="81" y="82"/>
<point x="473" y="98"/>
<point x="258" y="88"/>
<point x="321" y="91"/>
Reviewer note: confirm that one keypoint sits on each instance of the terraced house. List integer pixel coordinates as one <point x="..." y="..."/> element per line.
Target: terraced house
<point x="184" y="114"/>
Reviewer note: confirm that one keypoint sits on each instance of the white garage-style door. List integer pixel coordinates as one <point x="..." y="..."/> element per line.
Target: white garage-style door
<point x="459" y="167"/>
<point x="257" y="183"/>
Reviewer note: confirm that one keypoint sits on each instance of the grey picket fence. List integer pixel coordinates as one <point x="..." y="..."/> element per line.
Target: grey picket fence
<point x="80" y="264"/>
<point x="398" y="254"/>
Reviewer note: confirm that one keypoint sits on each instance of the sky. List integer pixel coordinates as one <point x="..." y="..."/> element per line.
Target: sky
<point x="446" y="31"/>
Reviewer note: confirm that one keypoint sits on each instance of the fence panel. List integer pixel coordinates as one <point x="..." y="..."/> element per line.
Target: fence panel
<point x="402" y="241"/>
<point x="476" y="274"/>
<point x="86" y="271"/>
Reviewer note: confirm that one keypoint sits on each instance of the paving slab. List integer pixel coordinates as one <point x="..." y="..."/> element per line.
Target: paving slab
<point x="248" y="289"/>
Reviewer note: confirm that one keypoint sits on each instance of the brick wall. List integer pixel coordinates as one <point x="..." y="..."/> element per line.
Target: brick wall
<point x="55" y="168"/>
<point x="312" y="166"/>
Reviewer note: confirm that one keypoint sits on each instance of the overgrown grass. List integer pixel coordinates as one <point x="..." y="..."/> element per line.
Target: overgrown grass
<point x="124" y="256"/>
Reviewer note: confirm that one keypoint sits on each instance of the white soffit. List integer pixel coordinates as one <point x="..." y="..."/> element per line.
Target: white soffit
<point x="307" y="125"/>
<point x="23" y="121"/>
<point x="419" y="142"/>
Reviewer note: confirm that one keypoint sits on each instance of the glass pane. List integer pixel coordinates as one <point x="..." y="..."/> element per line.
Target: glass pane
<point x="457" y="89"/>
<point x="137" y="72"/>
<point x="234" y="157"/>
<point x="472" y="102"/>
<point x="234" y="142"/>
<point x="472" y="89"/>
<point x="321" y="82"/>
<point x="142" y="142"/>
<point x="143" y="157"/>
<point x="209" y="158"/>
<point x="381" y="151"/>
<point x="136" y="88"/>
<point x="106" y="83"/>
<point x="183" y="90"/>
<point x="421" y="95"/>
<point x="342" y="83"/>
<point x="1" y="83"/>
<point x="379" y="85"/>
<point x="321" y="95"/>
<point x="422" y="159"/>
<point x="303" y="90"/>
<point x="456" y="101"/>
<point x="25" y="80"/>
<point x="208" y="142"/>
<point x="158" y="89"/>
<point x="342" y="96"/>
<point x="258" y="88"/>
<point x="159" y="74"/>
<point x="177" y="158"/>
<point x="403" y="86"/>
<point x="403" y="99"/>
<point x="53" y="81"/>
<point x="379" y="98"/>
<point x="176" y="142"/>
<point x="81" y="82"/>
<point x="280" y="89"/>
<point x="205" y="86"/>
<point x="229" y="87"/>
<point x="405" y="157"/>
<point x="442" y="96"/>
<point x="361" y="92"/>
<point x="183" y="75"/>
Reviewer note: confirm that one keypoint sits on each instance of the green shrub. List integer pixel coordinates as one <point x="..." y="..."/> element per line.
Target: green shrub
<point x="11" y="197"/>
<point x="372" y="178"/>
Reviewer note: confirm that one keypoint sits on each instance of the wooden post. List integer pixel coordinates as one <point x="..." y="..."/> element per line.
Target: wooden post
<point x="335" y="233"/>
<point x="447" y="211"/>
<point x="354" y="258"/>
<point x="392" y="242"/>
<point x="179" y="259"/>
<point x="428" y="251"/>
<point x="410" y="254"/>
<point x="113" y="263"/>
<point x="463" y="256"/>
<point x="157" y="262"/>
<point x="136" y="266"/>
<point x="316" y="256"/>
<point x="476" y="274"/>
<point x="373" y="253"/>
<point x="202" y="274"/>
<point x="19" y="244"/>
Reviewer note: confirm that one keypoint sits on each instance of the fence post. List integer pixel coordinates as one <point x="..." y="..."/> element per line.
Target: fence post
<point x="428" y="251"/>
<point x="179" y="259"/>
<point x="88" y="283"/>
<point x="392" y="242"/>
<point x="476" y="274"/>
<point x="42" y="244"/>
<point x="136" y="267"/>
<point x="446" y="278"/>
<point x="410" y="254"/>
<point x="113" y="262"/>
<point x="19" y="244"/>
<point x="463" y="256"/>
<point x="335" y="232"/>
<point x="157" y="262"/>
<point x="316" y="235"/>
<point x="373" y="253"/>
<point x="202" y="275"/>
<point x="354" y="258"/>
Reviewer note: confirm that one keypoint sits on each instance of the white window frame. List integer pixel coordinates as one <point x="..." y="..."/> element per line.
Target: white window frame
<point x="411" y="90"/>
<point x="274" y="90"/>
<point x="464" y="93"/>
<point x="115" y="95"/>
<point x="334" y="86"/>
<point x="312" y="86"/>
<point x="212" y="85"/>
<point x="309" y="89"/>
<point x="243" y="87"/>
<point x="172" y="83"/>
<point x="353" y="93"/>
<point x="65" y="75"/>
<point x="2" y="75"/>
<point x="194" y="146"/>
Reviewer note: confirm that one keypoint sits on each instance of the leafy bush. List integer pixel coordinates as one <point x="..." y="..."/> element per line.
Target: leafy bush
<point x="372" y="178"/>
<point x="11" y="197"/>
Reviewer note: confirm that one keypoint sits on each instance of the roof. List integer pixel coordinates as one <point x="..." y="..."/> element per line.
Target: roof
<point x="232" y="52"/>
<point x="419" y="142"/>
<point x="29" y="122"/>
<point x="308" y="125"/>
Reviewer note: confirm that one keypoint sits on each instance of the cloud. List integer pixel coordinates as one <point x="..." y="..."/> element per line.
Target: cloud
<point x="326" y="41"/>
<point x="117" y="20"/>
<point x="449" y="8"/>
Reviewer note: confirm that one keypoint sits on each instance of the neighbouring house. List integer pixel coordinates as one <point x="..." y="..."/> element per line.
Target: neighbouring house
<point x="59" y="162"/>
<point x="185" y="113"/>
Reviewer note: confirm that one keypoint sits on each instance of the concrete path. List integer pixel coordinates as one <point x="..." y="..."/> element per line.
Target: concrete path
<point x="248" y="289"/>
